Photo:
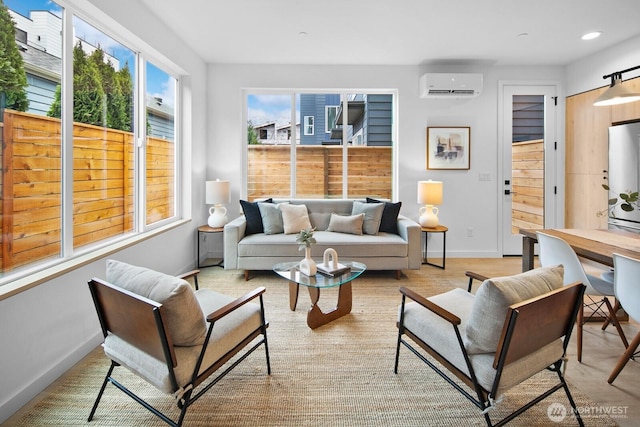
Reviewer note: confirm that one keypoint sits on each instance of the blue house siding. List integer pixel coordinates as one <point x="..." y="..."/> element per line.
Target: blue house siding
<point x="314" y="105"/>
<point x="378" y="120"/>
<point x="40" y="93"/>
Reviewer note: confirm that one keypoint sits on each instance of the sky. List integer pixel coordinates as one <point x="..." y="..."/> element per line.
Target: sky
<point x="271" y="108"/>
<point x="159" y="83"/>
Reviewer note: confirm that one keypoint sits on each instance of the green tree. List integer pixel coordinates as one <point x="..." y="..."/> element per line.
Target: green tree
<point x="101" y="95"/>
<point x="252" y="135"/>
<point x="13" y="79"/>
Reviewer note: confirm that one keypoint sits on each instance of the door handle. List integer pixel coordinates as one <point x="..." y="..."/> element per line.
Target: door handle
<point x="508" y="192"/>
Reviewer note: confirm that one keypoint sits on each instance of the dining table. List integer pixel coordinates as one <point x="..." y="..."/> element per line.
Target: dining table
<point x="597" y="245"/>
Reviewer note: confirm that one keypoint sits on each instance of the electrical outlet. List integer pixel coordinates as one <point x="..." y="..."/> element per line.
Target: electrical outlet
<point x="484" y="176"/>
<point x="469" y="231"/>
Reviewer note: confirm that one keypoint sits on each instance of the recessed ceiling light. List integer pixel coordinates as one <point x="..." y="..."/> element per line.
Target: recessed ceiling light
<point x="302" y="33"/>
<point x="592" y="35"/>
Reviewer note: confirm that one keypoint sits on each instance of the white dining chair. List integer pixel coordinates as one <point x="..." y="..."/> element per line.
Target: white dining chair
<point x="555" y="251"/>
<point x="627" y="291"/>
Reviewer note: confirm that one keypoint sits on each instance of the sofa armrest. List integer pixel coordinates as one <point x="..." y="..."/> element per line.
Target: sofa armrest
<point x="410" y="231"/>
<point x="233" y="233"/>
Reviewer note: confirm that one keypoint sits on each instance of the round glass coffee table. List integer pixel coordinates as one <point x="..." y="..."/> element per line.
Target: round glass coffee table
<point x="315" y="316"/>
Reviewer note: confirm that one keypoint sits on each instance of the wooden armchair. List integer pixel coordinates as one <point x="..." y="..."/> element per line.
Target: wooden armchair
<point x="155" y="326"/>
<point x="511" y="329"/>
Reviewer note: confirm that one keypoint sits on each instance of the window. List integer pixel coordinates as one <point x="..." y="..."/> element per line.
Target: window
<point x="322" y="165"/>
<point x="331" y="111"/>
<point x="112" y="187"/>
<point x="308" y="125"/>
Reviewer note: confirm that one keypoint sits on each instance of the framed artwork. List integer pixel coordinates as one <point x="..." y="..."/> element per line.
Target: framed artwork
<point x="448" y="147"/>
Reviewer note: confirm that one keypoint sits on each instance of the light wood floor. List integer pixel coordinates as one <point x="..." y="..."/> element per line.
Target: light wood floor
<point x="601" y="349"/>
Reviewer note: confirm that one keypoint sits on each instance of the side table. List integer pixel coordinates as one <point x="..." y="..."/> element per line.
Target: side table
<point x="217" y="262"/>
<point x="437" y="229"/>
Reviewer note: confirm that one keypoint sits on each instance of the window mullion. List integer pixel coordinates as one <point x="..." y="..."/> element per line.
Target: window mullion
<point x="66" y="143"/>
<point x="294" y="146"/>
<point x="140" y="138"/>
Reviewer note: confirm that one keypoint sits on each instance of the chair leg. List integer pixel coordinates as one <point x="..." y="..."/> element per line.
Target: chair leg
<point x="616" y="322"/>
<point x="625" y="358"/>
<point x="616" y="307"/>
<point x="579" y="323"/>
<point x="104" y="385"/>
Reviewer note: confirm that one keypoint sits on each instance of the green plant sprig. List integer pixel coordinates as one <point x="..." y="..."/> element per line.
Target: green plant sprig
<point x="628" y="202"/>
<point x="305" y="238"/>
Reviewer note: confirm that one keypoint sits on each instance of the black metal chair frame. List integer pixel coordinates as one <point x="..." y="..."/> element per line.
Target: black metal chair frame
<point x="512" y="333"/>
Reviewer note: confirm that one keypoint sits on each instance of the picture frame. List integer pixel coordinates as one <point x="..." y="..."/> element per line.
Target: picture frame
<point x="449" y="148"/>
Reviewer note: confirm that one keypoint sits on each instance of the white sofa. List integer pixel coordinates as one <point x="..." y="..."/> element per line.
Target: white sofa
<point x="384" y="250"/>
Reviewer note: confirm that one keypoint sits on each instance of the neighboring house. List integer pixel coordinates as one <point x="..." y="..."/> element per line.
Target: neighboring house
<point x="369" y="119"/>
<point x="271" y="133"/>
<point x="40" y="43"/>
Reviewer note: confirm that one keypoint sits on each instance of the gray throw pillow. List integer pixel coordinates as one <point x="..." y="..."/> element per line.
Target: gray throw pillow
<point x="372" y="215"/>
<point x="351" y="224"/>
<point x="492" y="301"/>
<point x="271" y="218"/>
<point x="184" y="317"/>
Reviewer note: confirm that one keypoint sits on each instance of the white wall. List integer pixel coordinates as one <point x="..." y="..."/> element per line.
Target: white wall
<point x="47" y="329"/>
<point x="586" y="74"/>
<point x="467" y="201"/>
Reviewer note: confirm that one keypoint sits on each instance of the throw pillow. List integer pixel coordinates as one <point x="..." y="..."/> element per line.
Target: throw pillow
<point x="271" y="218"/>
<point x="389" y="221"/>
<point x="372" y="215"/>
<point x="184" y="317"/>
<point x="295" y="218"/>
<point x="351" y="224"/>
<point x="492" y="301"/>
<point x="252" y="215"/>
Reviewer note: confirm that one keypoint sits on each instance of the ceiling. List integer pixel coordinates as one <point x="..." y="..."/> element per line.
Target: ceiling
<point x="400" y="32"/>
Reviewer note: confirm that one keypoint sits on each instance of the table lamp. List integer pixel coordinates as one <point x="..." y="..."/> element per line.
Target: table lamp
<point x="429" y="194"/>
<point x="217" y="194"/>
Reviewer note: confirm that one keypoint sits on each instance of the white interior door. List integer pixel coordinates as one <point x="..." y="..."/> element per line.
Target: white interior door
<point x="529" y="151"/>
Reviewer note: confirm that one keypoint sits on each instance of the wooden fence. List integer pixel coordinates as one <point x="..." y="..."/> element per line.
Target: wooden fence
<point x="103" y="186"/>
<point x="319" y="170"/>
<point x="527" y="203"/>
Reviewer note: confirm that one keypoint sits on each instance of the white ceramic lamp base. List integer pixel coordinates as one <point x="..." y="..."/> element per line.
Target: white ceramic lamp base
<point x="428" y="216"/>
<point x="217" y="217"/>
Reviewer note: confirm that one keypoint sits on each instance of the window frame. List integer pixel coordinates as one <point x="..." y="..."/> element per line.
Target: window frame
<point x="70" y="258"/>
<point x="309" y="125"/>
<point x="345" y="94"/>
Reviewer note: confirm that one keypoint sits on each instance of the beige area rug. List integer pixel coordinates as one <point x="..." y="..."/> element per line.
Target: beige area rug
<point x="340" y="374"/>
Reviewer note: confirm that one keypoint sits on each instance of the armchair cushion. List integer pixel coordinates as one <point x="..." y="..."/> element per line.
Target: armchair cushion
<point x="493" y="299"/>
<point x="185" y="320"/>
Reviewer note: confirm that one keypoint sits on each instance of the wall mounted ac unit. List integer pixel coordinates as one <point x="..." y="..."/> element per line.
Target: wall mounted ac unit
<point x="450" y="85"/>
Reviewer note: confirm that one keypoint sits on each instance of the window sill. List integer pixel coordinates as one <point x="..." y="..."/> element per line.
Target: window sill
<point x="34" y="279"/>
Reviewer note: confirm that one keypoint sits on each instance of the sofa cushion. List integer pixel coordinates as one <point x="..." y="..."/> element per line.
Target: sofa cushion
<point x="493" y="299"/>
<point x="348" y="246"/>
<point x="185" y="320"/>
<point x="372" y="215"/>
<point x="350" y="224"/>
<point x="253" y="217"/>
<point x="389" y="220"/>
<point x="271" y="218"/>
<point x="295" y="218"/>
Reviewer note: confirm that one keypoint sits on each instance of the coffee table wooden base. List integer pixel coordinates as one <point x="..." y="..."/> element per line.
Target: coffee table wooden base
<point x="315" y="316"/>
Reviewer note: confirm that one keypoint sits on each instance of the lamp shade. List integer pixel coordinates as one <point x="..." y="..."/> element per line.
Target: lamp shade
<point x="616" y="94"/>
<point x="217" y="192"/>
<point x="430" y="192"/>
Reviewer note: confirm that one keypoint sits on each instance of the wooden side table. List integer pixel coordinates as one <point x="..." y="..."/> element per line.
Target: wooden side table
<point x="215" y="262"/>
<point x="437" y="229"/>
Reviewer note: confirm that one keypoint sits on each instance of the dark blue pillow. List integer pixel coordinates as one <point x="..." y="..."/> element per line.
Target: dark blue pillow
<point x="389" y="221"/>
<point x="253" y="217"/>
